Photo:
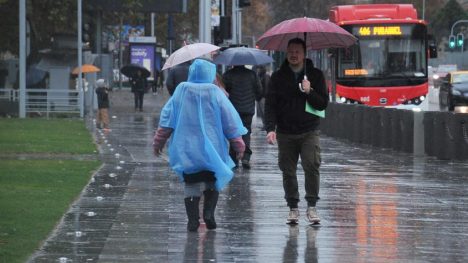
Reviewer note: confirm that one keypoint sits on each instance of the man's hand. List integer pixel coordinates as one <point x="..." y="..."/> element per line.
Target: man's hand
<point x="271" y="137"/>
<point x="306" y="86"/>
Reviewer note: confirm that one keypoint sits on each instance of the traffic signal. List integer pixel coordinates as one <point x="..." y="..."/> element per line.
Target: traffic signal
<point x="243" y="3"/>
<point x="217" y="39"/>
<point x="225" y="27"/>
<point x="452" y="41"/>
<point x="460" y="40"/>
<point x="87" y="35"/>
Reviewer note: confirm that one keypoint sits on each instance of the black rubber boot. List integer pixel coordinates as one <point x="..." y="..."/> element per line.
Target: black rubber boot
<point x="193" y="213"/>
<point x="209" y="206"/>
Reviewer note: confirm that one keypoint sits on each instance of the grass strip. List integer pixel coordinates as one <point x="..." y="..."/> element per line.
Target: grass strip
<point x="45" y="136"/>
<point x="34" y="194"/>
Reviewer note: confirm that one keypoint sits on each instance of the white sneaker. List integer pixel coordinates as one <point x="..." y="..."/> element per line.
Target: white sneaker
<point x="312" y="215"/>
<point x="293" y="216"/>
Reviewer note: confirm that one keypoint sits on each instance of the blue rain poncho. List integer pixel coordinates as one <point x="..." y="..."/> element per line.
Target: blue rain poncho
<point x="202" y="119"/>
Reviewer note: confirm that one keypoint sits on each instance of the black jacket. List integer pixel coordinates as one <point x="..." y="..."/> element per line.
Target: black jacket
<point x="285" y="103"/>
<point x="139" y="84"/>
<point x="102" y="97"/>
<point x="243" y="87"/>
<point x="177" y="75"/>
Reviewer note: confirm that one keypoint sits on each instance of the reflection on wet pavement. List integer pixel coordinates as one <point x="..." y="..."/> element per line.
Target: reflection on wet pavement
<point x="376" y="206"/>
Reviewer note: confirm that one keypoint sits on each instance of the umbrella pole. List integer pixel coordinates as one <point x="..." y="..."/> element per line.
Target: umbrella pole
<point x="305" y="55"/>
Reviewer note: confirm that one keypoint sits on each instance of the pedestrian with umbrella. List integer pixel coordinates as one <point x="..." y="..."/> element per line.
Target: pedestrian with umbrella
<point x="178" y="63"/>
<point x="296" y="97"/>
<point x="264" y="78"/>
<point x="138" y="82"/>
<point x="243" y="87"/>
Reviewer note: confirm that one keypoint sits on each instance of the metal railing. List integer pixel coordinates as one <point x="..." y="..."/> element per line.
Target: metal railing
<point x="9" y="94"/>
<point x="47" y="101"/>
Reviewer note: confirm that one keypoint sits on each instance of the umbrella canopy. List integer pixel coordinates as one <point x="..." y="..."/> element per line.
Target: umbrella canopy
<point x="242" y="56"/>
<point x="317" y="33"/>
<point x="189" y="52"/>
<point x="131" y="71"/>
<point x="86" y="68"/>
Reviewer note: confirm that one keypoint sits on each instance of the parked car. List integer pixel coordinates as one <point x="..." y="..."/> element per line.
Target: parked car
<point x="454" y="90"/>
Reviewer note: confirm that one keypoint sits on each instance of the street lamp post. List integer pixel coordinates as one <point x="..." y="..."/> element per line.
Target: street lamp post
<point x="424" y="10"/>
<point x="80" y="57"/>
<point x="22" y="58"/>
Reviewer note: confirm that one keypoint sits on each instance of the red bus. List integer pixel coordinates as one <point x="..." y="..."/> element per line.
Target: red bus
<point x="388" y="64"/>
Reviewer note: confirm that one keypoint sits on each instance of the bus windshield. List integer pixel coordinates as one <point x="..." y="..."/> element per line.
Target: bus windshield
<point x="384" y="51"/>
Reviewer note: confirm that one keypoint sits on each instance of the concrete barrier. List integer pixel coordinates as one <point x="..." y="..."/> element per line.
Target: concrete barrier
<point x="406" y="121"/>
<point x="387" y="131"/>
<point x="457" y="129"/>
<point x="375" y="126"/>
<point x="429" y="131"/>
<point x="440" y="134"/>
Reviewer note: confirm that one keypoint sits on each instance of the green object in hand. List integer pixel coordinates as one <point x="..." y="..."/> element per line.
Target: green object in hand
<point x="310" y="109"/>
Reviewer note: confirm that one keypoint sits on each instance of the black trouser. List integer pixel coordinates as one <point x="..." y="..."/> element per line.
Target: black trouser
<point x="139" y="99"/>
<point x="247" y="122"/>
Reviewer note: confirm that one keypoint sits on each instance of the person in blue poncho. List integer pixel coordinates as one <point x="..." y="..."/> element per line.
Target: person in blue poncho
<point x="200" y="121"/>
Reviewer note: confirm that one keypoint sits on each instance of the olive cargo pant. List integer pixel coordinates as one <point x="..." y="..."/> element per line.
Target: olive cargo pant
<point x="291" y="147"/>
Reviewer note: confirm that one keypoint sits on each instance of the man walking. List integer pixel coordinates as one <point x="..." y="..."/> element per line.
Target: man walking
<point x="139" y="85"/>
<point x="296" y="83"/>
<point x="243" y="87"/>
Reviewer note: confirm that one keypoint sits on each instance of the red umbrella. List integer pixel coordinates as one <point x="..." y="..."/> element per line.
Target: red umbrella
<point x="318" y="34"/>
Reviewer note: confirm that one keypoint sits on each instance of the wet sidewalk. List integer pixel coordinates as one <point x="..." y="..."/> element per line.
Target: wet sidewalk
<point x="376" y="206"/>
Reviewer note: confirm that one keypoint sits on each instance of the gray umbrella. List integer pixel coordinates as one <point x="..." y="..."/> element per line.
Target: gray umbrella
<point x="242" y="56"/>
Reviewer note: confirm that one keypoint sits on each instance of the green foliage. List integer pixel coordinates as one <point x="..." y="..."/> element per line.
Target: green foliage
<point x="41" y="135"/>
<point x="446" y="17"/>
<point x="34" y="194"/>
<point x="49" y="17"/>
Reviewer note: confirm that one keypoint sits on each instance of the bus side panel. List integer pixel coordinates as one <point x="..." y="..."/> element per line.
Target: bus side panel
<point x="381" y="96"/>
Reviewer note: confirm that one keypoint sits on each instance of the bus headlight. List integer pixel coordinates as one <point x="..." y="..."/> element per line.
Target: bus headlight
<point x="422" y="98"/>
<point x="343" y="99"/>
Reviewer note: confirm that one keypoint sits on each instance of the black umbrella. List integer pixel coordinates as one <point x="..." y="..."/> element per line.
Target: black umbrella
<point x="131" y="70"/>
<point x="242" y="56"/>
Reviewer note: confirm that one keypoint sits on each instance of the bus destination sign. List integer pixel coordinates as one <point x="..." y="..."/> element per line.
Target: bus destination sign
<point x="379" y="31"/>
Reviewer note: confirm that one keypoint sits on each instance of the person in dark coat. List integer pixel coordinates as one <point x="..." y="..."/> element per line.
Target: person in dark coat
<point x="264" y="78"/>
<point x="297" y="130"/>
<point x="244" y="88"/>
<point x="102" y="93"/>
<point x="176" y="75"/>
<point x="139" y="85"/>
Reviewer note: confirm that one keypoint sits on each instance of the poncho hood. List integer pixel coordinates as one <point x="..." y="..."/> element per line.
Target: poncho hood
<point x="202" y="71"/>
